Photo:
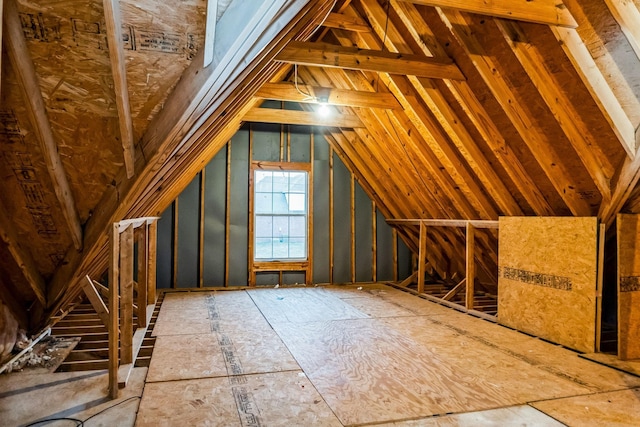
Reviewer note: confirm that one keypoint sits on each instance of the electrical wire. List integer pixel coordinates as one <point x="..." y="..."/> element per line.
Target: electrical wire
<point x="79" y="422"/>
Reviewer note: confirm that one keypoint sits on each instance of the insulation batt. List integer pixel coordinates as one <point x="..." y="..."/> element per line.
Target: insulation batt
<point x="10" y="335"/>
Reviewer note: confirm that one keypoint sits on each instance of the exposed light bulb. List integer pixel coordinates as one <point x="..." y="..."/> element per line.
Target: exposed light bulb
<point x="324" y="110"/>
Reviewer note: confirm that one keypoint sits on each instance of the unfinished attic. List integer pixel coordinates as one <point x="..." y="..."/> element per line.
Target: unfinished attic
<point x="320" y="212"/>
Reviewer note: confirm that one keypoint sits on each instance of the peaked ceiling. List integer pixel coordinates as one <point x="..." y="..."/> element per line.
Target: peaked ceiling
<point x="442" y="109"/>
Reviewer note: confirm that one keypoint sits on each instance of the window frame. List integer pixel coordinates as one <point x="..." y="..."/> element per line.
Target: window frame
<point x="293" y="264"/>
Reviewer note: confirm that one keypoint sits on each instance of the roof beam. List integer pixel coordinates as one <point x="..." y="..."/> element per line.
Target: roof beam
<point x="305" y="118"/>
<point x="353" y="58"/>
<point x="627" y="14"/>
<point x="205" y="106"/>
<point x="23" y="66"/>
<point x="22" y="257"/>
<point x="536" y="140"/>
<point x="593" y="78"/>
<point x="118" y="68"/>
<point x="344" y="22"/>
<point x="548" y="12"/>
<point x="311" y="94"/>
<point x="475" y="111"/>
<point x="445" y="115"/>
<point x="578" y="134"/>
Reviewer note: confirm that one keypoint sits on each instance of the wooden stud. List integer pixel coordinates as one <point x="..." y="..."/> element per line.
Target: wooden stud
<point x="456" y="290"/>
<point x="309" y="277"/>
<point x="374" y="242"/>
<point x="227" y="217"/>
<point x="304" y="118"/>
<point x="25" y="72"/>
<point x="201" y="217"/>
<point x="251" y="226"/>
<point x="22" y="257"/>
<point x="352" y="98"/>
<point x="210" y="32"/>
<point x="548" y="12"/>
<point x="288" y="143"/>
<point x="394" y="239"/>
<point x="96" y="302"/>
<point x="113" y="22"/>
<point x="331" y="217"/>
<point x="470" y="266"/>
<point x="152" y="239"/>
<point x="174" y="245"/>
<point x="422" y="257"/>
<point x="142" y="267"/>
<point x="114" y="309"/>
<point x="126" y="296"/>
<point x="1" y="35"/>
<point x="327" y="55"/>
<point x="282" y="142"/>
<point x="352" y="231"/>
<point x="600" y="283"/>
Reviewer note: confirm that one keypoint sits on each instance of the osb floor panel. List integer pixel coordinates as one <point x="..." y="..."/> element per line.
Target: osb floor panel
<point x="26" y="398"/>
<point x="368" y="354"/>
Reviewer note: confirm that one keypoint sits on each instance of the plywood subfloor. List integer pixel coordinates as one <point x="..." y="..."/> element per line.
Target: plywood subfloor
<point x="356" y="355"/>
<point x="27" y="398"/>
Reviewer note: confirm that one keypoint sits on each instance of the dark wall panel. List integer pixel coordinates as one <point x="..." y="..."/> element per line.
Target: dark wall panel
<point x="404" y="260"/>
<point x="188" y="213"/>
<point x="364" y="240"/>
<point x="384" y="241"/>
<point x="164" y="249"/>
<point x="321" y="210"/>
<point x="239" y="212"/>
<point x="300" y="140"/>
<point x="214" y="220"/>
<point x="266" y="142"/>
<point x="342" y="222"/>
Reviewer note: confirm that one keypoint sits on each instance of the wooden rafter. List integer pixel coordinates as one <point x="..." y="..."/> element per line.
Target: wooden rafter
<point x="310" y="94"/>
<point x="532" y="60"/>
<point x="594" y="79"/>
<point x="118" y="67"/>
<point x="25" y="71"/>
<point x="199" y="117"/>
<point x="549" y="12"/>
<point x="628" y="16"/>
<point x="537" y="141"/>
<point x="272" y="115"/>
<point x="22" y="257"/>
<point x="333" y="56"/>
<point x="343" y="22"/>
<point x="475" y="111"/>
<point x="447" y="118"/>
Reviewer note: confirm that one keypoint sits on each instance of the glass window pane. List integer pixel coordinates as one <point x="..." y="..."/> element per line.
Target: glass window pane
<point x="262" y="203"/>
<point x="297" y="226"/>
<point x="263" y="248"/>
<point x="264" y="226"/>
<point x="263" y="181"/>
<point x="280" y="205"/>
<point x="280" y="248"/>
<point x="297" y="247"/>
<point x="280" y="182"/>
<point x="297" y="203"/>
<point x="297" y="182"/>
<point x="280" y="227"/>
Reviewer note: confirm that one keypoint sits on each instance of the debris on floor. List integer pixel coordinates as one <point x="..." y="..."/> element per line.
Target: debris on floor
<point x="45" y="356"/>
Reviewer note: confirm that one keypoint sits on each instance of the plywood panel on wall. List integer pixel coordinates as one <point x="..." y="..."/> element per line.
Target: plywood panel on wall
<point x="628" y="227"/>
<point x="547" y="279"/>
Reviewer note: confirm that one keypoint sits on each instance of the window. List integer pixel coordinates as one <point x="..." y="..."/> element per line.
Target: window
<point x="280" y="223"/>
